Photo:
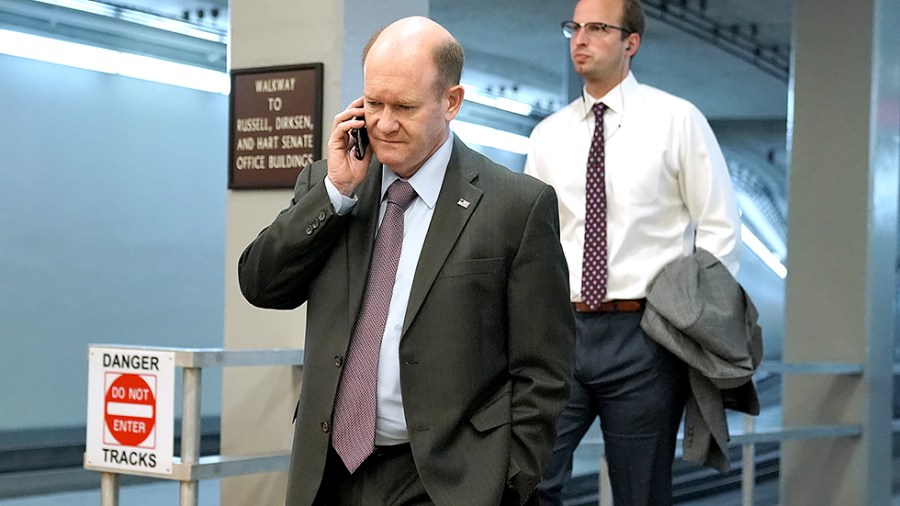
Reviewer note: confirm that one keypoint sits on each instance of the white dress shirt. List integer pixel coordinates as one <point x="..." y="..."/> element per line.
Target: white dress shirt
<point x="390" y="423"/>
<point x="667" y="185"/>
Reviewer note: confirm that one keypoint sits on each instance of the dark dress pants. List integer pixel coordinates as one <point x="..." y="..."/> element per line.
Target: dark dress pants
<point x="638" y="389"/>
<point x="388" y="476"/>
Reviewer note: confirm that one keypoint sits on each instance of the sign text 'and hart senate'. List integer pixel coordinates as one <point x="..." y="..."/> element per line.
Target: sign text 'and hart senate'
<point x="130" y="410"/>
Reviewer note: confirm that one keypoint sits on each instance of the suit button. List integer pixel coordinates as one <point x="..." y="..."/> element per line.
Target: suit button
<point x="309" y="230"/>
<point x="315" y="224"/>
<point x="322" y="216"/>
<point x="338" y="361"/>
<point x="325" y="426"/>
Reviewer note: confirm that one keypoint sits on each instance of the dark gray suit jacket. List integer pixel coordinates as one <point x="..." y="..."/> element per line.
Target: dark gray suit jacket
<point x="487" y="341"/>
<point x="699" y="312"/>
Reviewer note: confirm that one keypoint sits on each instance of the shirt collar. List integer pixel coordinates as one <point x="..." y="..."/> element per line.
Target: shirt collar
<point x="614" y="98"/>
<point x="428" y="179"/>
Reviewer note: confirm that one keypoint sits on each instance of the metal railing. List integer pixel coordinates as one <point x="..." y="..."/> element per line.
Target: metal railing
<point x="190" y="467"/>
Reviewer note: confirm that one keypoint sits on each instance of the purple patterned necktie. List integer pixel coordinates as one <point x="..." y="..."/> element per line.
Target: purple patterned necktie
<point x="594" y="269"/>
<point x="353" y="433"/>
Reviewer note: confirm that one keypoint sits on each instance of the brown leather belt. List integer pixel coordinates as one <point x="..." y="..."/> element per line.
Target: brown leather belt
<point x="613" y="306"/>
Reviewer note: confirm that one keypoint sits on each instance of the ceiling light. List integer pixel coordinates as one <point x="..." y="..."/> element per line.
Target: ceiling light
<point x="503" y="103"/>
<point x="470" y="133"/>
<point x="86" y="57"/>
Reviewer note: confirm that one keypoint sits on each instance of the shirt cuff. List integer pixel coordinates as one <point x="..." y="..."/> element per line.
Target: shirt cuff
<point x="342" y="204"/>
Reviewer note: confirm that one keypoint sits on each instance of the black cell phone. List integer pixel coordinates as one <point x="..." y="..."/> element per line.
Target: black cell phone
<point x="361" y="135"/>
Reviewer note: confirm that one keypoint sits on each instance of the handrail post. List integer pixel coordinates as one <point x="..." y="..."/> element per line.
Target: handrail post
<point x="748" y="469"/>
<point x="190" y="430"/>
<point x="109" y="489"/>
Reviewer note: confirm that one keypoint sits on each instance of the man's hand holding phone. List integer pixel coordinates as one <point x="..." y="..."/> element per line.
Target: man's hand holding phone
<point x="348" y="148"/>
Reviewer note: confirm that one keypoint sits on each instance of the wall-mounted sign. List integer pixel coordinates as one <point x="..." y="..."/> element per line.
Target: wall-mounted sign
<point x="275" y="125"/>
<point x="130" y="419"/>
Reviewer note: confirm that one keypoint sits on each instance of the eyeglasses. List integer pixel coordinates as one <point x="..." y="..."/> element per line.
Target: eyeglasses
<point x="570" y="28"/>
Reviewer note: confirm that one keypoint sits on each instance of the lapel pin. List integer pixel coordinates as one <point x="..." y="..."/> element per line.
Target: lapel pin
<point x="463" y="203"/>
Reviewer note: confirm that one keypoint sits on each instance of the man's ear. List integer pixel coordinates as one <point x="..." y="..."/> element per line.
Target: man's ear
<point x="632" y="44"/>
<point x="454" y="101"/>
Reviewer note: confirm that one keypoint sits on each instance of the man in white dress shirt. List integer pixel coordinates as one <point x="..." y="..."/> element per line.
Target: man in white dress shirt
<point x="664" y="191"/>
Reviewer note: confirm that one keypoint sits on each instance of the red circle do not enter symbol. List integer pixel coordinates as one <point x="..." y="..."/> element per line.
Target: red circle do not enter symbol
<point x="130" y="409"/>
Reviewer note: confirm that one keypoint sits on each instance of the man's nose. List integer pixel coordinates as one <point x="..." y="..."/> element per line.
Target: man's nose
<point x="387" y="121"/>
<point x="580" y="37"/>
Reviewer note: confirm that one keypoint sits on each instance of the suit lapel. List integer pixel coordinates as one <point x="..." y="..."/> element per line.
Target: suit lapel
<point x="447" y="223"/>
<point x="361" y="237"/>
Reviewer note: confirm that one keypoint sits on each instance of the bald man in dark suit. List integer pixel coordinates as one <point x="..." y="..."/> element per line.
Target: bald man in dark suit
<point x="474" y="347"/>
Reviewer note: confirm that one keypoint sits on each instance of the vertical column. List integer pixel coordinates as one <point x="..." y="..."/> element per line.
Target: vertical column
<point x="258" y="403"/>
<point x="842" y="237"/>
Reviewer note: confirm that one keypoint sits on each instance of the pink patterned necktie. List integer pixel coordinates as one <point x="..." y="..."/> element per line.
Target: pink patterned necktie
<point x="353" y="433"/>
<point x="595" y="263"/>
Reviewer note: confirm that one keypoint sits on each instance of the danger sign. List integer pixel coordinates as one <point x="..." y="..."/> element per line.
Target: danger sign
<point x="130" y="410"/>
